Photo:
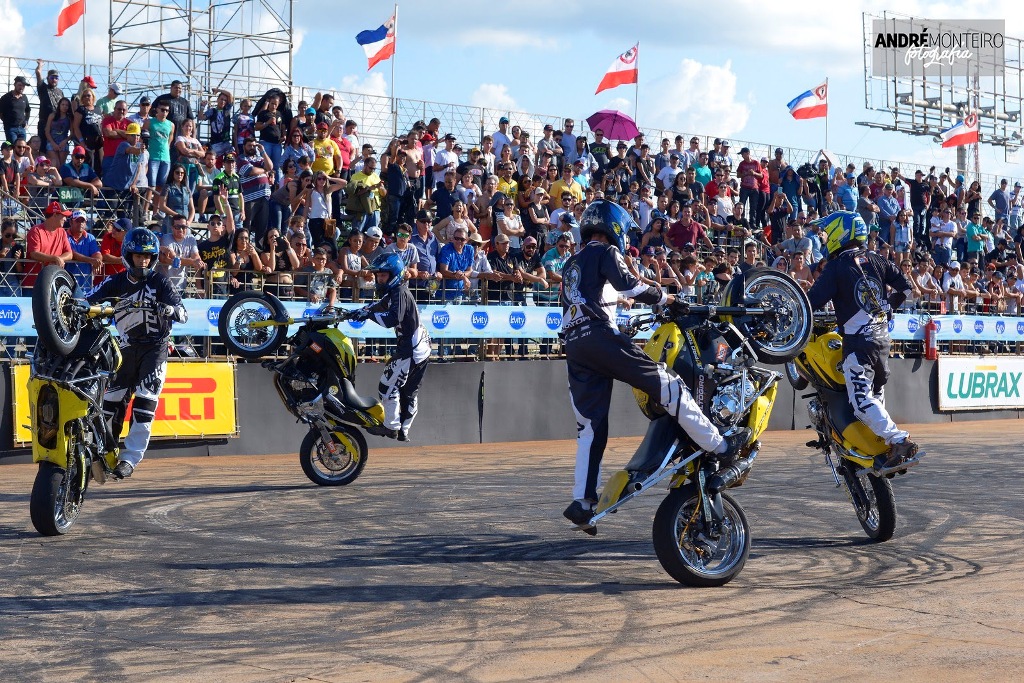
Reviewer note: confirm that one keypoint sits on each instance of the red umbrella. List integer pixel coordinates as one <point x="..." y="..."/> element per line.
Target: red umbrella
<point x="614" y="124"/>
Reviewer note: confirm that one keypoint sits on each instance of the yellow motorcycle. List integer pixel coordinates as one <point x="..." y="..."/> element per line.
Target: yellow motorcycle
<point x="700" y="533"/>
<point x="321" y="361"/>
<point x="860" y="452"/>
<point x="75" y="357"/>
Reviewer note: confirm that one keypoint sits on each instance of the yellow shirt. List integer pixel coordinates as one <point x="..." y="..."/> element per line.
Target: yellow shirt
<point x="559" y="187"/>
<point x="359" y="180"/>
<point x="323" y="155"/>
<point x="511" y="188"/>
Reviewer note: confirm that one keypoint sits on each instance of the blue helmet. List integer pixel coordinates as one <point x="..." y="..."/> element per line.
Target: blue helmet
<point x="391" y="264"/>
<point x="609" y="219"/>
<point x="139" y="241"/>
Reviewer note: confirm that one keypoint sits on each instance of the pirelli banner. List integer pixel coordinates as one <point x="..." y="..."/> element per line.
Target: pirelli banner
<point x="198" y="401"/>
<point x="980" y="383"/>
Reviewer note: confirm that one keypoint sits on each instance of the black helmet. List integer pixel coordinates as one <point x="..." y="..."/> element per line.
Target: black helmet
<point x="609" y="219"/>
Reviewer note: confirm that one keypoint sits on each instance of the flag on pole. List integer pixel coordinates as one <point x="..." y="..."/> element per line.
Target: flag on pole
<point x="379" y="43"/>
<point x="812" y="104"/>
<point x="963" y="133"/>
<point x="70" y="12"/>
<point x="623" y="70"/>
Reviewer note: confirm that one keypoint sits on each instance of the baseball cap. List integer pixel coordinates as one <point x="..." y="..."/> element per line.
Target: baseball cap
<point x="632" y="251"/>
<point x="374" y="233"/>
<point x="56" y="207"/>
<point x="501" y="237"/>
<point x="53" y="72"/>
<point x="422" y="215"/>
<point x="475" y="150"/>
<point x="42" y="160"/>
<point x="322" y="126"/>
<point x="687" y="247"/>
<point x="310" y="110"/>
<point x="503" y="119"/>
<point x="745" y="150"/>
<point x="123" y="224"/>
<point x="79" y="151"/>
<point x="427" y="137"/>
<point x="230" y="156"/>
<point x="725" y="143"/>
<point x="529" y="240"/>
<point x="718" y="141"/>
<point x="779" y="150"/>
<point x="567" y="218"/>
<point x="953" y="265"/>
<point x="648" y="251"/>
<point x="548" y="126"/>
<point x="90" y="81"/>
<point x="78" y="213"/>
<point x="1017" y="184"/>
<point x="851" y="175"/>
<point x="133" y="129"/>
<point x="145" y="100"/>
<point x="116" y="87"/>
<point x="450" y="136"/>
<point x="20" y="79"/>
<point x="719" y="250"/>
<point x="6" y="144"/>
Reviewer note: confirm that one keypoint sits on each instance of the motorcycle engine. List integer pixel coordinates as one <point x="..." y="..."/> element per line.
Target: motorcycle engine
<point x="729" y="400"/>
<point x="816" y="412"/>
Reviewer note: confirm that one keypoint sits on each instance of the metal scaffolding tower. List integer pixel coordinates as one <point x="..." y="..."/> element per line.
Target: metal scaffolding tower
<point x="244" y="46"/>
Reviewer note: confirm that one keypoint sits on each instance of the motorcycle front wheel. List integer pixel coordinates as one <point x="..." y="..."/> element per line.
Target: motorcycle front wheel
<point x="54" y="321"/>
<point x="686" y="553"/>
<point x="339" y="468"/>
<point x="781" y="337"/>
<point x="54" y="504"/>
<point x="252" y="307"/>
<point x="874" y="501"/>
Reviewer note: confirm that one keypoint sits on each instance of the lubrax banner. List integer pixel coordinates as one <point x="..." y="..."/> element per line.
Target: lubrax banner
<point x="937" y="47"/>
<point x="972" y="383"/>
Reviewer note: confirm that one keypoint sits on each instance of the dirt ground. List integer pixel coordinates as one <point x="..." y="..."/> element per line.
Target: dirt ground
<point x="454" y="564"/>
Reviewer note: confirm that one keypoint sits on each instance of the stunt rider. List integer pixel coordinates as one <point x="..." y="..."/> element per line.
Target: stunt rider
<point x="856" y="281"/>
<point x="400" y="381"/>
<point x="597" y="353"/>
<point x="147" y="303"/>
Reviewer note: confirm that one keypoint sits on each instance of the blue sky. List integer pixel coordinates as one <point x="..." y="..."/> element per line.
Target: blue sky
<point x="709" y="68"/>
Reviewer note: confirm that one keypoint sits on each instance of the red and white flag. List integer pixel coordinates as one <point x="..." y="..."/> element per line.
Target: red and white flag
<point x="963" y="133"/>
<point x="623" y="70"/>
<point x="70" y="12"/>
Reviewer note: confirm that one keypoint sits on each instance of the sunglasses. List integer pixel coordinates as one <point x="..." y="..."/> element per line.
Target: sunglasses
<point x="458" y="239"/>
<point x="402" y="234"/>
<point x="10" y="234"/>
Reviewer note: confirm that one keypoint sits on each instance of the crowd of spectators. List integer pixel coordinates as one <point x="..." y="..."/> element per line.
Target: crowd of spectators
<point x="294" y="201"/>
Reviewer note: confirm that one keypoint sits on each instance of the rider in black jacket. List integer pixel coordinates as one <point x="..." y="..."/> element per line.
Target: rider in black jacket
<point x="147" y="303"/>
<point x="400" y="381"/>
<point x="856" y="282"/>
<point x="597" y="353"/>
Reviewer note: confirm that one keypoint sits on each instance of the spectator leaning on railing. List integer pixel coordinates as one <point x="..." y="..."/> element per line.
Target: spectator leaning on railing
<point x="47" y="242"/>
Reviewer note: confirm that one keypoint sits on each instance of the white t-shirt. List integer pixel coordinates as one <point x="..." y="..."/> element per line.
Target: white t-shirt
<point x="500" y="140"/>
<point x="947" y="242"/>
<point x="667" y="175"/>
<point x="447" y="158"/>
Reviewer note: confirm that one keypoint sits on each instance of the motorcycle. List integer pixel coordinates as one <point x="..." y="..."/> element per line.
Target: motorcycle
<point x="255" y="324"/>
<point x="74" y="360"/>
<point x="861" y="453"/>
<point x="700" y="532"/>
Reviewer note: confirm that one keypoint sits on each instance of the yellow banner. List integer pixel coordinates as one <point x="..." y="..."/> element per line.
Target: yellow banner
<point x="197" y="401"/>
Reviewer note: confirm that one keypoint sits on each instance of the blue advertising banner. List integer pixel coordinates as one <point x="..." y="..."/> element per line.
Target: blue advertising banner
<point x="530" y="322"/>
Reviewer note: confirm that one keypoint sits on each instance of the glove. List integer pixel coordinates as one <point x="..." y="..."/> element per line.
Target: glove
<point x="678" y="308"/>
<point x="168" y="311"/>
<point x="359" y="314"/>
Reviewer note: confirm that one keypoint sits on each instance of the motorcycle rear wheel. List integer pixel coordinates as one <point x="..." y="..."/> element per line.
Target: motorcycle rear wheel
<point x="247" y="307"/>
<point x="874" y="501"/>
<point x="55" y="324"/>
<point x="53" y="506"/>
<point x="685" y="554"/>
<point x="339" y="469"/>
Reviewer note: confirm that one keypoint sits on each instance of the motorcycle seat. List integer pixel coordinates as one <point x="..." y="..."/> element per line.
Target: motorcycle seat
<point x="350" y="398"/>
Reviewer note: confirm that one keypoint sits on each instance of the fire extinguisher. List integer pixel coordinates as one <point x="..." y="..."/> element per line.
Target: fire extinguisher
<point x="931" y="343"/>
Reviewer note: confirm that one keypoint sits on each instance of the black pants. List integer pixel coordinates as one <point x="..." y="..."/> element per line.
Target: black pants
<point x="257" y="218"/>
<point x="142" y="373"/>
<point x="596" y="355"/>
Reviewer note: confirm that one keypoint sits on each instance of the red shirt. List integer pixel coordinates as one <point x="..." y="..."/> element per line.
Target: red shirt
<point x="111" y="245"/>
<point x="680" y="234"/>
<point x="346" y="151"/>
<point x="764" y="183"/>
<point x="741" y="170"/>
<point x="110" y="144"/>
<point x="711" y="190"/>
<point x="50" y="242"/>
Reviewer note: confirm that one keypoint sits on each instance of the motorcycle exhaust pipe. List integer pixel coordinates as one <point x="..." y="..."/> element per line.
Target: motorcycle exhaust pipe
<point x="730" y="475"/>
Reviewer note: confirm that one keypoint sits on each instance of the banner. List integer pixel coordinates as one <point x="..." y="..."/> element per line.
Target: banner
<point x="461" y="321"/>
<point x="197" y="401"/>
<point x="974" y="383"/>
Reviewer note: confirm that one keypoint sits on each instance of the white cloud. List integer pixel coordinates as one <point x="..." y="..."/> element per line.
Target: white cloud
<point x="697" y="98"/>
<point x="493" y="96"/>
<point x="371" y="84"/>
<point x="620" y="104"/>
<point x="12" y="37"/>
<point x="506" y="38"/>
